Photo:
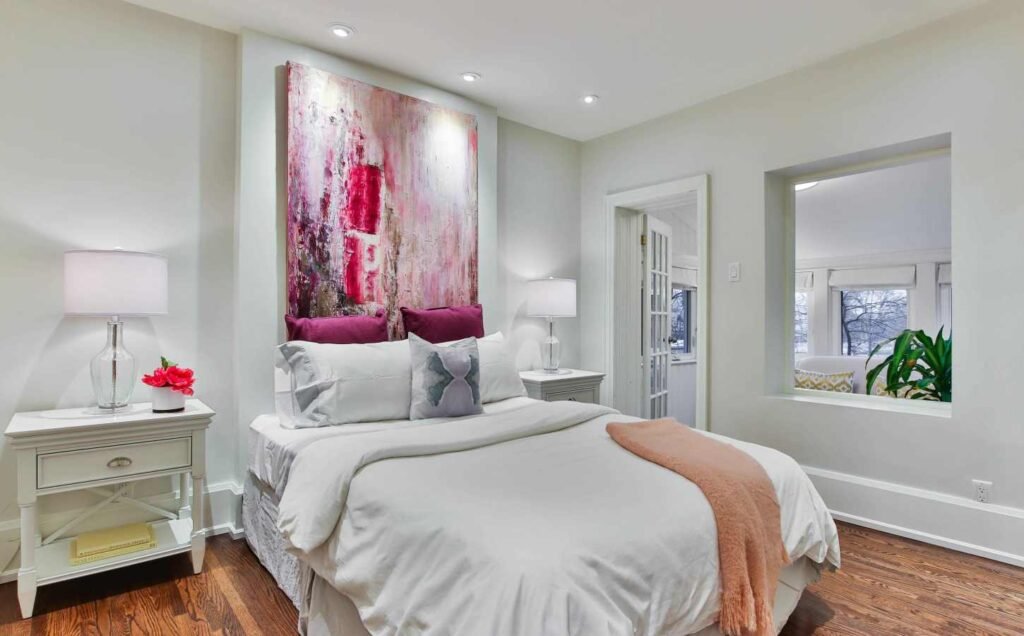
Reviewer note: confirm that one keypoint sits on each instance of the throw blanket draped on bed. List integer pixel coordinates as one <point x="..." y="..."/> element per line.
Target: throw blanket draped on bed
<point x="750" y="547"/>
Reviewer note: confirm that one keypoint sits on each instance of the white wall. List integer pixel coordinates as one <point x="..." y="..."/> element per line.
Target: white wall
<point x="117" y="129"/>
<point x="963" y="76"/>
<point x="682" y="392"/>
<point x="895" y="209"/>
<point x="683" y="220"/>
<point x="538" y="230"/>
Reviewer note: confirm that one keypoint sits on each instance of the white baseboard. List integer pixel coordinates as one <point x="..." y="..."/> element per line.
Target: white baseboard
<point x="958" y="523"/>
<point x="223" y="515"/>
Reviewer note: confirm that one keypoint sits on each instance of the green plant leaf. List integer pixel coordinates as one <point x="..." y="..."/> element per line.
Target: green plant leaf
<point x="918" y="364"/>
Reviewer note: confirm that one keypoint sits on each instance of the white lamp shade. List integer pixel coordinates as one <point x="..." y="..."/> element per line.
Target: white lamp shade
<point x="114" y="283"/>
<point x="551" y="298"/>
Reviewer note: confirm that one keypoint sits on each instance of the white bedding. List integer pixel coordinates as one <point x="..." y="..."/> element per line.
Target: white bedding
<point x="272" y="447"/>
<point x="539" y="525"/>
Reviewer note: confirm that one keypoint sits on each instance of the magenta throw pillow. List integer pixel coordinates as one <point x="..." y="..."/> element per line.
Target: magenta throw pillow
<point x="339" y="329"/>
<point x="443" y="324"/>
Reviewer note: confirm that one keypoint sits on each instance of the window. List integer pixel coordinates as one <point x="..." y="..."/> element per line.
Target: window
<point x="683" y="299"/>
<point x="945" y="280"/>
<point x="800" y="323"/>
<point x="870" y="317"/>
<point x="871" y="259"/>
<point x="946" y="308"/>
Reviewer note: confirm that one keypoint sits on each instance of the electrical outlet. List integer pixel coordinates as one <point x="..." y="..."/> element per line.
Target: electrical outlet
<point x="982" y="490"/>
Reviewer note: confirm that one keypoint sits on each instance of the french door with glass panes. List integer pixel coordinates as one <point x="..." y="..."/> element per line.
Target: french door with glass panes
<point x="657" y="309"/>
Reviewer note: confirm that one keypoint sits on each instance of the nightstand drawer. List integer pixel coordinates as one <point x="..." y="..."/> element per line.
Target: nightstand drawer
<point x="579" y="395"/>
<point x="109" y="462"/>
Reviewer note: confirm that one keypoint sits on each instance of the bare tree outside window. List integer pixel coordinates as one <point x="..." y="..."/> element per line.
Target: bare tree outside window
<point x="800" y="325"/>
<point x="871" y="316"/>
<point x="681" y="320"/>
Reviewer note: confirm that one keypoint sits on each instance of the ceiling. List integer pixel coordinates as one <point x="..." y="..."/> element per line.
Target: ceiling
<point x="899" y="209"/>
<point x="538" y="58"/>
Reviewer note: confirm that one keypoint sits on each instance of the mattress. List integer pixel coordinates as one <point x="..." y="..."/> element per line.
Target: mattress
<point x="273" y="447"/>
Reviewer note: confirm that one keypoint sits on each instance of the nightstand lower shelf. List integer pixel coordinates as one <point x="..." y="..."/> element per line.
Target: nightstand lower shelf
<point x="53" y="561"/>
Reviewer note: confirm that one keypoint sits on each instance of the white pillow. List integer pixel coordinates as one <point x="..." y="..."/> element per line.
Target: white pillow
<point x="499" y="378"/>
<point x="284" y="401"/>
<point x="343" y="384"/>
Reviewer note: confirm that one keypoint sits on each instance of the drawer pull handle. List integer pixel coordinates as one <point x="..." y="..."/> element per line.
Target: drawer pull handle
<point x="120" y="462"/>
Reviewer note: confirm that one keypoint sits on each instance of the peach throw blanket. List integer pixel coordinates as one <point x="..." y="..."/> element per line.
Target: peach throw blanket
<point x="750" y="548"/>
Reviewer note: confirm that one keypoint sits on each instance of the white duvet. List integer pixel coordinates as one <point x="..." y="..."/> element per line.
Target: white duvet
<point x="529" y="522"/>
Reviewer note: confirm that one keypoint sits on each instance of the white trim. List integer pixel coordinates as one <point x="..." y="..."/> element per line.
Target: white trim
<point x="870" y="402"/>
<point x="957" y="523"/>
<point x="886" y="259"/>
<point x="225" y="499"/>
<point x="647" y="197"/>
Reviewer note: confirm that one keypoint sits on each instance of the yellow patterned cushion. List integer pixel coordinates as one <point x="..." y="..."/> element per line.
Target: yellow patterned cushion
<point x="837" y="382"/>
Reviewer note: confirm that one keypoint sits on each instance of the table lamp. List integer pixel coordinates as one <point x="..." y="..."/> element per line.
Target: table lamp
<point x="114" y="283"/>
<point x="551" y="298"/>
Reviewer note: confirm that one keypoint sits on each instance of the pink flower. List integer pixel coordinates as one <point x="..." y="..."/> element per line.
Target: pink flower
<point x="157" y="379"/>
<point x="180" y="379"/>
<point x="171" y="375"/>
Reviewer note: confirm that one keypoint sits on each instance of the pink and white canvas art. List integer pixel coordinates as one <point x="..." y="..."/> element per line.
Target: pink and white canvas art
<point x="382" y="200"/>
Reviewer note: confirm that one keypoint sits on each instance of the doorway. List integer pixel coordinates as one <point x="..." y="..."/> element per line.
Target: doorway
<point x="657" y="318"/>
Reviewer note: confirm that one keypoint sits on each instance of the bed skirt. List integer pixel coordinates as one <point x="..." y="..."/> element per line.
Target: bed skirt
<point x="259" y="518"/>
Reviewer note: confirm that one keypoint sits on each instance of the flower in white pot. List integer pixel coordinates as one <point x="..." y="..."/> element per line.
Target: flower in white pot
<point x="171" y="384"/>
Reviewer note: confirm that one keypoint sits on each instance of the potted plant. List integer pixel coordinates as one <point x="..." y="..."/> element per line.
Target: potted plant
<point x="171" y="384"/>
<point x="918" y="368"/>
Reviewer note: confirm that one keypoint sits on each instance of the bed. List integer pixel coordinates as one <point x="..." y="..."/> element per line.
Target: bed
<point x="527" y="519"/>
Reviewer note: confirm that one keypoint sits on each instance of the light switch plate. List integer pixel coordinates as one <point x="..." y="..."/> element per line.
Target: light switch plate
<point x="734" y="272"/>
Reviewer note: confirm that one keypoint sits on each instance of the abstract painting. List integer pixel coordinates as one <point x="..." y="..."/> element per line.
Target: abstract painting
<point x="382" y="200"/>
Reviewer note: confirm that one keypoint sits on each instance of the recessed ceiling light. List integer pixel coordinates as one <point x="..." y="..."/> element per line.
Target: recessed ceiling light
<point x="342" y="30"/>
<point x="470" y="76"/>
<point x="805" y="186"/>
<point x="590" y="99"/>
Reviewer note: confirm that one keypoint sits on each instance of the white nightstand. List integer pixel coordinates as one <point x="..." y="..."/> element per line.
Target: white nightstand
<point x="99" y="452"/>
<point x="570" y="384"/>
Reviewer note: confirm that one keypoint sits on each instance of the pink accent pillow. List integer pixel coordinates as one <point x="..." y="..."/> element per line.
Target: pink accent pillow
<point x="339" y="329"/>
<point x="443" y="324"/>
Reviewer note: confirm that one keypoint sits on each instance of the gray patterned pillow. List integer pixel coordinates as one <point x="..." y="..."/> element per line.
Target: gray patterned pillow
<point x="445" y="380"/>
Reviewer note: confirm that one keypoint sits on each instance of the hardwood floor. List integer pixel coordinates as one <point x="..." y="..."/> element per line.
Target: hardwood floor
<point x="887" y="585"/>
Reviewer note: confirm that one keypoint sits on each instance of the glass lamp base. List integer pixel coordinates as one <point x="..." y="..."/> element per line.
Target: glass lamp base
<point x="113" y="370"/>
<point x="550" y="354"/>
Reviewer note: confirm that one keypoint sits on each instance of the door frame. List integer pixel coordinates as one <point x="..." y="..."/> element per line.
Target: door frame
<point x="638" y="199"/>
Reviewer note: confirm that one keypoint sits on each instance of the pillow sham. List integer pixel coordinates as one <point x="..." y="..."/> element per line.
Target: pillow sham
<point x="319" y="384"/>
<point x="339" y="329"/>
<point x="284" y="405"/>
<point x="835" y="382"/>
<point x="443" y="324"/>
<point x="499" y="378"/>
<point x="349" y="383"/>
<point x="445" y="378"/>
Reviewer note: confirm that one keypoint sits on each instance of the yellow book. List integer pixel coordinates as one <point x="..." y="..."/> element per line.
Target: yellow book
<point x="104" y="544"/>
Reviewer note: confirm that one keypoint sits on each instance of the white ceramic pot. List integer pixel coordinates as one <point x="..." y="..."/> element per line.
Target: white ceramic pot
<point x="167" y="400"/>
